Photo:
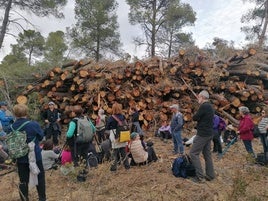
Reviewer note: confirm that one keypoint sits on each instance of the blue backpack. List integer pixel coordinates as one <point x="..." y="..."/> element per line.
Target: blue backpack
<point x="183" y="167"/>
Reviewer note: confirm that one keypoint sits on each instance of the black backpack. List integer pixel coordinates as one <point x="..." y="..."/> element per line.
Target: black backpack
<point x="183" y="167"/>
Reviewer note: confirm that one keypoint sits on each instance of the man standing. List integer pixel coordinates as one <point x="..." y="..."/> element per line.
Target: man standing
<point x="176" y="128"/>
<point x="4" y="118"/>
<point x="202" y="141"/>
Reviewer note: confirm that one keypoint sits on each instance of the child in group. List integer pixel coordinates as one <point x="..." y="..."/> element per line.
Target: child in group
<point x="48" y="155"/>
<point x="164" y="131"/>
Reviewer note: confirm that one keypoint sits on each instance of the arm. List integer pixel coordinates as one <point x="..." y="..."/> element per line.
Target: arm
<point x="53" y="155"/>
<point x="70" y="132"/>
<point x="38" y="131"/>
<point x="92" y="126"/>
<point x="180" y="122"/>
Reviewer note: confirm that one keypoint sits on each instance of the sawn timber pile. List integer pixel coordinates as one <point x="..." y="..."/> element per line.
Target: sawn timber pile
<point x="154" y="84"/>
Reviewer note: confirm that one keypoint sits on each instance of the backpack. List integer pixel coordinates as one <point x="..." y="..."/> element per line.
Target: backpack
<point x="84" y="130"/>
<point x="16" y="142"/>
<point x="92" y="160"/>
<point x="222" y="124"/>
<point x="183" y="167"/>
<point x="122" y="131"/>
<point x="256" y="131"/>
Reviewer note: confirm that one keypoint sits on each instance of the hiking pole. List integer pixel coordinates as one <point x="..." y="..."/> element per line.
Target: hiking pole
<point x="190" y="88"/>
<point x="228" y="146"/>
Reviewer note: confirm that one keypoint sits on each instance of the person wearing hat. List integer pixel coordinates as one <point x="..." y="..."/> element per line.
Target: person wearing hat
<point x="176" y="129"/>
<point x="4" y="118"/>
<point x="51" y="118"/>
<point x="140" y="154"/>
<point x="245" y="129"/>
<point x="202" y="141"/>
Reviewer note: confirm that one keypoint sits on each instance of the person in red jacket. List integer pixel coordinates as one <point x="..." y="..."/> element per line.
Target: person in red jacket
<point x="245" y="129"/>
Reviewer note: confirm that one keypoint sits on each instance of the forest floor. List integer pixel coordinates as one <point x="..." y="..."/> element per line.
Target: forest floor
<point x="238" y="178"/>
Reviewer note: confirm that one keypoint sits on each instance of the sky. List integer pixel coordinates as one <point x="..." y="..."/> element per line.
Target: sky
<point x="215" y="18"/>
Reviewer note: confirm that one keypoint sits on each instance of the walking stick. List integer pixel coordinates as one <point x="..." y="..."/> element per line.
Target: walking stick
<point x="228" y="146"/>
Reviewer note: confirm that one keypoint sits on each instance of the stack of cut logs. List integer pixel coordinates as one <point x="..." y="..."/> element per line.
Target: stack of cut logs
<point x="153" y="85"/>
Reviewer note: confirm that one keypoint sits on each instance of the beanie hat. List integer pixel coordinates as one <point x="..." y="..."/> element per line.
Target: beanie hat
<point x="134" y="135"/>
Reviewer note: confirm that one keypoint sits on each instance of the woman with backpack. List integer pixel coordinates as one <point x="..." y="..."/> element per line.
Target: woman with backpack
<point x="34" y="134"/>
<point x="119" y="148"/>
<point x="78" y="144"/>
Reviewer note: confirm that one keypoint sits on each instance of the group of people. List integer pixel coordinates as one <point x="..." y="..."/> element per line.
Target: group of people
<point x="134" y="152"/>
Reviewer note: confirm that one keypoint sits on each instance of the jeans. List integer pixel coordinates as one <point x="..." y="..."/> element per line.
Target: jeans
<point x="24" y="174"/>
<point x="177" y="141"/>
<point x="202" y="144"/>
<point x="248" y="146"/>
<point x="137" y="128"/>
<point x="264" y="142"/>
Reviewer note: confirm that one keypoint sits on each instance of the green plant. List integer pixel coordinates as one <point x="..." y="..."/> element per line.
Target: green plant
<point x="239" y="187"/>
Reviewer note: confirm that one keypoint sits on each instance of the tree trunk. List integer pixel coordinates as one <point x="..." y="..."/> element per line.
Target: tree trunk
<point x="5" y="22"/>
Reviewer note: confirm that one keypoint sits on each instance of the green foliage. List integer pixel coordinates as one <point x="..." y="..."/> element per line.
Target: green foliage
<point x="161" y="21"/>
<point x="40" y="8"/>
<point x="170" y="36"/>
<point x="256" y="21"/>
<point x="96" y="29"/>
<point x="239" y="187"/>
<point x="14" y="77"/>
<point x="34" y="106"/>
<point x="31" y="43"/>
<point x="55" y="48"/>
<point x="16" y="56"/>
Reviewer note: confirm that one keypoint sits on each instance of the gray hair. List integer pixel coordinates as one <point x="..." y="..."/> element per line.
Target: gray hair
<point x="244" y="109"/>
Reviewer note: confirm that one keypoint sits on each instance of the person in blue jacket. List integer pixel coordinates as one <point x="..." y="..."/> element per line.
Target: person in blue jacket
<point x="5" y="120"/>
<point x="34" y="133"/>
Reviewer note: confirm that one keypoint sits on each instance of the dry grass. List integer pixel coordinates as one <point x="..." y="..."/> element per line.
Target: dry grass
<point x="237" y="179"/>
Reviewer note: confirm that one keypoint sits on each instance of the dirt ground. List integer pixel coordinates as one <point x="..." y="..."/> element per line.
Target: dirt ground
<point x="238" y="178"/>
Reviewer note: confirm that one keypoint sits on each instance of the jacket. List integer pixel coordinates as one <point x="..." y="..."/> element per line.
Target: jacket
<point x="34" y="132"/>
<point x="204" y="117"/>
<point x="245" y="128"/>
